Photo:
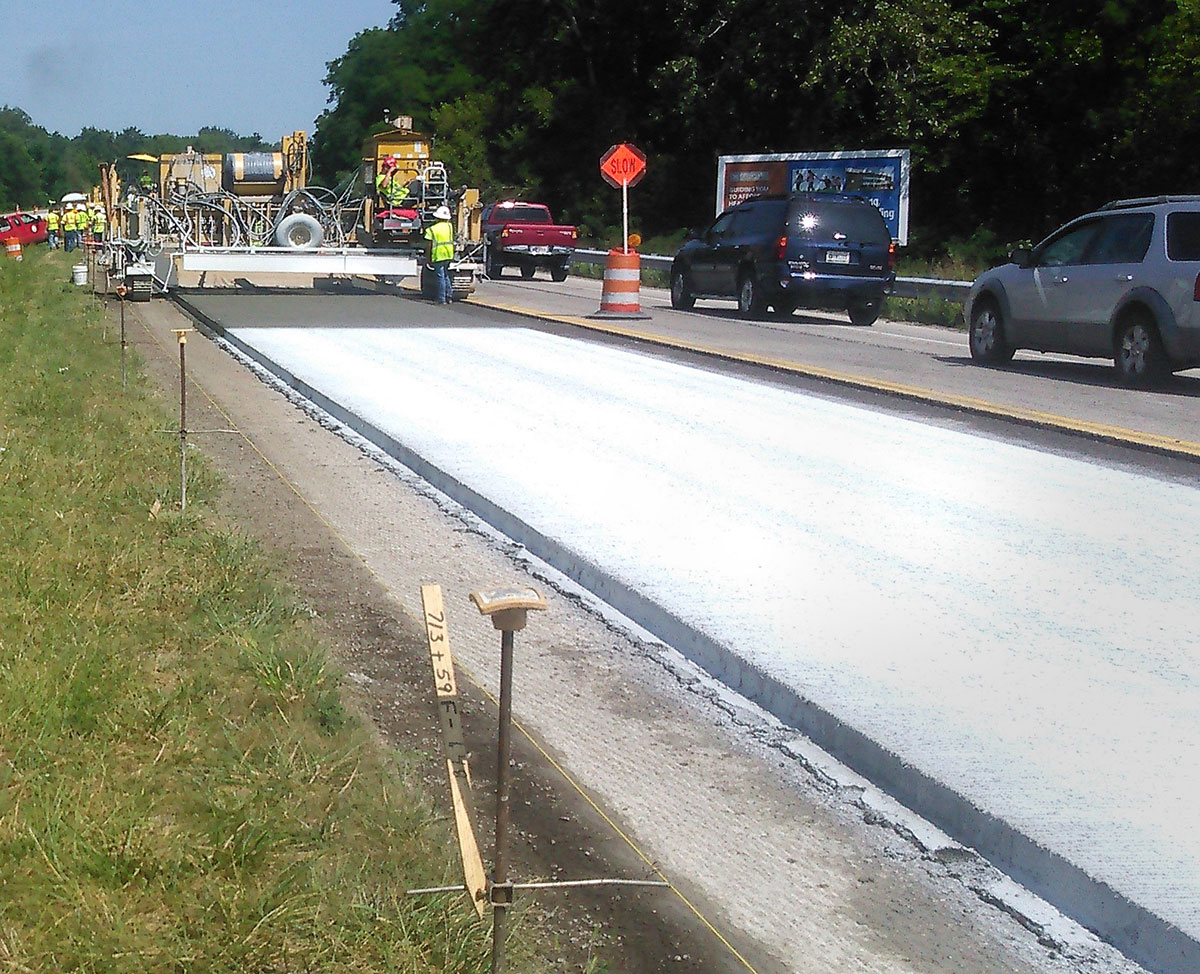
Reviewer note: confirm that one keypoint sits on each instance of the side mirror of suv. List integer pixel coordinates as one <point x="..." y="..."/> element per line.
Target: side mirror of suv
<point x="1022" y="257"/>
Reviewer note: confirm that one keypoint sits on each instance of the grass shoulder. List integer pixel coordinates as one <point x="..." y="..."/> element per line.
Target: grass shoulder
<point x="181" y="787"/>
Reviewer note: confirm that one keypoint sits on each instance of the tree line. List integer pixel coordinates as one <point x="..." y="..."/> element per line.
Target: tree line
<point x="37" y="166"/>
<point x="1019" y="114"/>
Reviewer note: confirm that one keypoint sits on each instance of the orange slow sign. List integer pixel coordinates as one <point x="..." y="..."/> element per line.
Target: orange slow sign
<point x="623" y="164"/>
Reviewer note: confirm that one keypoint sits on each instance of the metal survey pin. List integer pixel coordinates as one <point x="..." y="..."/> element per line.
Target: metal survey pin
<point x="508" y="609"/>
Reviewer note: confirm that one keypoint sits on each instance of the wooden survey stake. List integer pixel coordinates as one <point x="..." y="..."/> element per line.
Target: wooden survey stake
<point x="457" y="770"/>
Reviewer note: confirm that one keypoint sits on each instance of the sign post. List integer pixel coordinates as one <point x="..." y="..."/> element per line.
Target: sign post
<point x="622" y="166"/>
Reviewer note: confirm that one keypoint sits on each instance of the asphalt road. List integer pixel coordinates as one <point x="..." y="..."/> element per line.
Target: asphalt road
<point x="916" y="361"/>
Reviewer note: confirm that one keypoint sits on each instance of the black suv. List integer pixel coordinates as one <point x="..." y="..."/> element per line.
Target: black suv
<point x="807" y="250"/>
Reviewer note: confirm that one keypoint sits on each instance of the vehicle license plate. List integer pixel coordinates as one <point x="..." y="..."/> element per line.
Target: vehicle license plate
<point x="539" y="250"/>
<point x="837" y="257"/>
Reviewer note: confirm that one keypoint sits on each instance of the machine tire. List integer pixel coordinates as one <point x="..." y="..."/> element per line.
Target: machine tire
<point x="986" y="335"/>
<point x="682" y="298"/>
<point x="299" y="232"/>
<point x="1138" y="352"/>
<point x="750" y="295"/>
<point x="527" y="272"/>
<point x="559" y="273"/>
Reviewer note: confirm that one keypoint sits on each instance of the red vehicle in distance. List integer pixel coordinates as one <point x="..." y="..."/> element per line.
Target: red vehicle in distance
<point x="524" y="235"/>
<point x="24" y="228"/>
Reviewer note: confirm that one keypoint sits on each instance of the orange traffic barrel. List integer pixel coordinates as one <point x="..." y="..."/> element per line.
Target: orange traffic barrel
<point x="12" y="249"/>
<point x="621" y="296"/>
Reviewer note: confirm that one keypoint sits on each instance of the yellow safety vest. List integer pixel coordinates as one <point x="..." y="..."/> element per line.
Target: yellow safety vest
<point x="68" y="220"/>
<point x="442" y="235"/>
<point x="100" y="221"/>
<point x="391" y="189"/>
<point x="52" y="221"/>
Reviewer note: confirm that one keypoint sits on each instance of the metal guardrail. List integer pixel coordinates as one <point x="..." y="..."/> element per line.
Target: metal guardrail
<point x="654" y="262"/>
<point x="906" y="287"/>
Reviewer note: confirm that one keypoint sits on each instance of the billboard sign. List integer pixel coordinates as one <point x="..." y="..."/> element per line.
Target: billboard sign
<point x="881" y="175"/>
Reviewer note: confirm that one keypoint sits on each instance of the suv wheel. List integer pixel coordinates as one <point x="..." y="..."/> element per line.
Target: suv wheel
<point x="750" y="297"/>
<point x="682" y="298"/>
<point x="863" y="313"/>
<point x="1139" y="355"/>
<point x="527" y="272"/>
<point x="986" y="336"/>
<point x="559" y="273"/>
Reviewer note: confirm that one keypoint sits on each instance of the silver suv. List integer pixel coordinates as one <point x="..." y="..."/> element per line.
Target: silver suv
<point x="1121" y="283"/>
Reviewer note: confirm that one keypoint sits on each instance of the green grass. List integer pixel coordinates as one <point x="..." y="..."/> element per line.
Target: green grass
<point x="926" y="311"/>
<point x="180" y="786"/>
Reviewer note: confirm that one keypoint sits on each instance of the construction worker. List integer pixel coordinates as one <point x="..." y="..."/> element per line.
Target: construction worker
<point x="440" y="234"/>
<point x="80" y="223"/>
<point x="53" y="221"/>
<point x="391" y="191"/>
<point x="146" y="182"/>
<point x="70" y="235"/>
<point x="99" y="222"/>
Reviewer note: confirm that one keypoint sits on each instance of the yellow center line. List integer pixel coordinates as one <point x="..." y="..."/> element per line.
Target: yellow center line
<point x="628" y="840"/>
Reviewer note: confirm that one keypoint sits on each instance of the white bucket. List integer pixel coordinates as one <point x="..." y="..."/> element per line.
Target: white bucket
<point x="79" y="273"/>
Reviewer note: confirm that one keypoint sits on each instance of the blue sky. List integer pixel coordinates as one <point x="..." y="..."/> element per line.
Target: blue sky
<point x="176" y="65"/>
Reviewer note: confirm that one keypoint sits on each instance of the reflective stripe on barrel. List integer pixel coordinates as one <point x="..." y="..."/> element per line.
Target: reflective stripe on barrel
<point x="12" y="248"/>
<point x="622" y="283"/>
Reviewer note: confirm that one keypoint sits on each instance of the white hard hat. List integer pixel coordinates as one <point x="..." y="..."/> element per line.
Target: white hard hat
<point x="442" y="213"/>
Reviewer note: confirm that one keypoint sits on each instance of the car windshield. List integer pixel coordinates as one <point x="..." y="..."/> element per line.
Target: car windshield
<point x="826" y="220"/>
<point x="522" y="214"/>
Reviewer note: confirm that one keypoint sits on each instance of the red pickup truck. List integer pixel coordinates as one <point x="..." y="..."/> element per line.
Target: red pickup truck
<point x="524" y="235"/>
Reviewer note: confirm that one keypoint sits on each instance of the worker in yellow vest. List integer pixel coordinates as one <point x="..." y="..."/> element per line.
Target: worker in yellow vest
<point x="53" y="221"/>
<point x="70" y="234"/>
<point x="440" y="235"/>
<point x="99" y="223"/>
<point x="390" y="186"/>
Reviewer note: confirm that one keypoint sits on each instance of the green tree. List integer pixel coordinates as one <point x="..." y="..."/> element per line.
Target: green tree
<point x="20" y="179"/>
<point x="411" y="67"/>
